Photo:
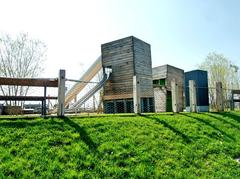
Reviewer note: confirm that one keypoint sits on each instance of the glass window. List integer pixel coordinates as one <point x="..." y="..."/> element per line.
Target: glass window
<point x="162" y="82"/>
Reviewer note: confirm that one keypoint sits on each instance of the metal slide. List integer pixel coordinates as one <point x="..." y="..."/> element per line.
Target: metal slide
<point x="90" y="93"/>
<point x="86" y="77"/>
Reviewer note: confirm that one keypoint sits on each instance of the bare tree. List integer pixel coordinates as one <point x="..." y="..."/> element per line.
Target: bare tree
<point x="220" y="69"/>
<point x="20" y="57"/>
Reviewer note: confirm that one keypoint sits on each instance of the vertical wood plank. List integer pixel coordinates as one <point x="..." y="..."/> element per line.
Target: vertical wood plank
<point x="192" y="96"/>
<point x="136" y="95"/>
<point x="219" y="97"/>
<point x="175" y="98"/>
<point x="61" y="93"/>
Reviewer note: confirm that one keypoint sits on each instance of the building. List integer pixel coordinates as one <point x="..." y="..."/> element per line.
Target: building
<point x="162" y="77"/>
<point x="201" y="80"/>
<point x="126" y="58"/>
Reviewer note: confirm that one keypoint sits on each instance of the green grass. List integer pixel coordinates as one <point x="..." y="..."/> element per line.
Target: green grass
<point x="183" y="145"/>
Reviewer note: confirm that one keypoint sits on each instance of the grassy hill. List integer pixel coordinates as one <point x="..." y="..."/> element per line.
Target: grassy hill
<point x="183" y="145"/>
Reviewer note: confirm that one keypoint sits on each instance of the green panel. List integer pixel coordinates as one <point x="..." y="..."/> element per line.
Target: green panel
<point x="169" y="102"/>
<point x="162" y="82"/>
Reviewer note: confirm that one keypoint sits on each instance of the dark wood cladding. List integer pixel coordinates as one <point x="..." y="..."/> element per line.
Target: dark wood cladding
<point x="29" y="82"/>
<point x="26" y="98"/>
<point x="127" y="57"/>
<point x="143" y="66"/>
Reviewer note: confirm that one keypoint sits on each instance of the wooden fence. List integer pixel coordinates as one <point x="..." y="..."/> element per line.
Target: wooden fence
<point x="38" y="82"/>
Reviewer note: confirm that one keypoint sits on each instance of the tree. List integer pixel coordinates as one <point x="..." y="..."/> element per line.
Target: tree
<point x="20" y="57"/>
<point x="220" y="69"/>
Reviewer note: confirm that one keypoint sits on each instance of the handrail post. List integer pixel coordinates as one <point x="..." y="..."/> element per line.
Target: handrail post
<point x="61" y="93"/>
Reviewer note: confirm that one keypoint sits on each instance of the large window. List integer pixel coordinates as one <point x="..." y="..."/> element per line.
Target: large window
<point x="147" y="105"/>
<point x="109" y="106"/>
<point x="160" y="82"/>
<point x="129" y="106"/>
<point x="120" y="107"/>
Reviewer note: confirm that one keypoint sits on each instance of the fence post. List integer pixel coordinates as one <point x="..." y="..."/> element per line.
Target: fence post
<point x="44" y="102"/>
<point x="192" y="96"/>
<point x="175" y="97"/>
<point x="136" y="95"/>
<point x="232" y="101"/>
<point x="219" y="96"/>
<point x="61" y="93"/>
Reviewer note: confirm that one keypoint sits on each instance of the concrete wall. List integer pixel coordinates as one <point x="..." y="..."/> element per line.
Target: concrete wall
<point x="160" y="97"/>
<point x="168" y="73"/>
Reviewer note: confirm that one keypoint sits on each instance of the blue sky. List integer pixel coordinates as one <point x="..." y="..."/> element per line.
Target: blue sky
<point x="181" y="32"/>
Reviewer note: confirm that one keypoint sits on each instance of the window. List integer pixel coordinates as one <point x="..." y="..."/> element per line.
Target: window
<point x="120" y="106"/>
<point x="129" y="106"/>
<point x="156" y="82"/>
<point x="109" y="107"/>
<point x="162" y="82"/>
<point x="147" y="105"/>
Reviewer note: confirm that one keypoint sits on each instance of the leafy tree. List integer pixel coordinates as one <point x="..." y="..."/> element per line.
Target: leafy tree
<point x="20" y="57"/>
<point x="220" y="69"/>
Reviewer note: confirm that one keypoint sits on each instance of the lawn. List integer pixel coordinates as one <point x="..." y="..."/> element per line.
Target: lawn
<point x="184" y="145"/>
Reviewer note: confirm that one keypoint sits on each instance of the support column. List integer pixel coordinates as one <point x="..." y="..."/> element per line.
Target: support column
<point x="219" y="97"/>
<point x="44" y="104"/>
<point x="125" y="106"/>
<point x="175" y="97"/>
<point x="192" y="96"/>
<point x="61" y="93"/>
<point x="232" y="101"/>
<point x="42" y="109"/>
<point x="94" y="103"/>
<point x="136" y="95"/>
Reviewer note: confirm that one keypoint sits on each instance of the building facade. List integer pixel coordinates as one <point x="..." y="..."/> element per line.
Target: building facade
<point x="126" y="58"/>
<point x="201" y="80"/>
<point x="162" y="77"/>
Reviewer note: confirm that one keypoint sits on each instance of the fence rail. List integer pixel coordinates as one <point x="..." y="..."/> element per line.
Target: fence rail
<point x="158" y="98"/>
<point x="134" y="95"/>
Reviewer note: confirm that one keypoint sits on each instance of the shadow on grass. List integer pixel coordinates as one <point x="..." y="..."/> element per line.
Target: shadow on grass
<point x="83" y="134"/>
<point x="221" y="118"/>
<point x="230" y="115"/>
<point x="15" y="118"/>
<point x="165" y="124"/>
<point x="27" y="122"/>
<point x="19" y="124"/>
<point x="209" y="124"/>
<point x="102" y="115"/>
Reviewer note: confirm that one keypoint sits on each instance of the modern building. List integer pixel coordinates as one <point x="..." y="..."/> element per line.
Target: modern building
<point x="201" y="80"/>
<point x="162" y="77"/>
<point x="126" y="58"/>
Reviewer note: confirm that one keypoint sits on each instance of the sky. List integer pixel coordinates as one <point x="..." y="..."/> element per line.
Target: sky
<point x="181" y="32"/>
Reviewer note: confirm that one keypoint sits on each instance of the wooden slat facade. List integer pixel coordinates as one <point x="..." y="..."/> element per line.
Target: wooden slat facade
<point x="127" y="57"/>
